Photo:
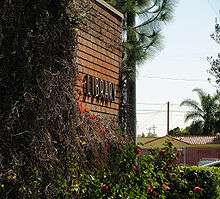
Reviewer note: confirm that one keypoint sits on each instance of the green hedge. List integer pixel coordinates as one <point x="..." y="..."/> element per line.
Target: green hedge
<point x="196" y="182"/>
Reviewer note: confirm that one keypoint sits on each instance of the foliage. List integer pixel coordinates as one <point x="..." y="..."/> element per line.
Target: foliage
<point x="203" y="113"/>
<point x="37" y="44"/>
<point x="135" y="174"/>
<point x="130" y="174"/>
<point x="195" y="128"/>
<point x="176" y="131"/>
<point x="93" y="143"/>
<point x="150" y="16"/>
<point x="195" y="182"/>
<point x="215" y="62"/>
<point x="198" y="182"/>
<point x="149" y="134"/>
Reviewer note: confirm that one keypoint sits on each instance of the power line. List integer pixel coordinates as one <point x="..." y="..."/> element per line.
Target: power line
<point x="153" y="110"/>
<point x="143" y="103"/>
<point x="148" y="113"/>
<point x="176" y="79"/>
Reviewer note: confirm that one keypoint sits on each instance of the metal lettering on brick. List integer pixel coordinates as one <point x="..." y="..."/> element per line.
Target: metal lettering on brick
<point x="100" y="89"/>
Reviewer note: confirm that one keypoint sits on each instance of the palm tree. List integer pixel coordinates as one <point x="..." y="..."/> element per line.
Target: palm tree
<point x="203" y="113"/>
<point x="142" y="38"/>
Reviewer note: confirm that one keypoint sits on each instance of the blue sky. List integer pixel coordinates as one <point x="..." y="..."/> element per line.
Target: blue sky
<point x="187" y="44"/>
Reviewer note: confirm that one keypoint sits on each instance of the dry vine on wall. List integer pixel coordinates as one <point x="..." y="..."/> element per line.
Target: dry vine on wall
<point x="40" y="127"/>
<point x="37" y="107"/>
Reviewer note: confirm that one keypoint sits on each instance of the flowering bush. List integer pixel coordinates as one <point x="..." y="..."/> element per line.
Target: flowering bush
<point x="133" y="173"/>
<point x="197" y="182"/>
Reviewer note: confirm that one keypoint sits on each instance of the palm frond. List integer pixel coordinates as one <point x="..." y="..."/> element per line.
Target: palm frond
<point x="192" y="104"/>
<point x="200" y="93"/>
<point x="193" y="115"/>
<point x="216" y="97"/>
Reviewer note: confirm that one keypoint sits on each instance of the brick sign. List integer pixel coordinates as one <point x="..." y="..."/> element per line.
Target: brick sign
<point x="99" y="57"/>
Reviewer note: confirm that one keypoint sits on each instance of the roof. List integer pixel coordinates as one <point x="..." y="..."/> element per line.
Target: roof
<point x="180" y="141"/>
<point x="199" y="139"/>
<point x="160" y="141"/>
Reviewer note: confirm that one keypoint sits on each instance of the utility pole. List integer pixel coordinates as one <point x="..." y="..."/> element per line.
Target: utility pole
<point x="168" y="117"/>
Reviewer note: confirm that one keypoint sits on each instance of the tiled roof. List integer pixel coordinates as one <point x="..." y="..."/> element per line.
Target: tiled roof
<point x="160" y="141"/>
<point x="199" y="139"/>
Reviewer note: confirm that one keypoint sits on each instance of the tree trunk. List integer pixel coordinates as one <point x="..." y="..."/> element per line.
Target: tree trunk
<point x="131" y="79"/>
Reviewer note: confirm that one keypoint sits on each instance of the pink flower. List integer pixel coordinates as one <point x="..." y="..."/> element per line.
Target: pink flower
<point x="104" y="188"/>
<point x="197" y="189"/>
<point x="138" y="151"/>
<point x="150" y="190"/>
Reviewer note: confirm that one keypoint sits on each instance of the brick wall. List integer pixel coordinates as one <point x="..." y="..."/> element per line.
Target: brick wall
<point x="99" y="54"/>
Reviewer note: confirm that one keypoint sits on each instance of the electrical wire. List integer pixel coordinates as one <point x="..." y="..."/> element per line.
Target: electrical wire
<point x="151" y="110"/>
<point x="177" y="79"/>
<point x="145" y="103"/>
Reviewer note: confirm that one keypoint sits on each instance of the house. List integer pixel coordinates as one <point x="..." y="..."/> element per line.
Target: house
<point x="194" y="149"/>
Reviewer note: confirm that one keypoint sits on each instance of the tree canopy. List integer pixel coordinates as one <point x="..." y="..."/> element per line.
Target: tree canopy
<point x="215" y="62"/>
<point x="149" y="17"/>
<point x="204" y="113"/>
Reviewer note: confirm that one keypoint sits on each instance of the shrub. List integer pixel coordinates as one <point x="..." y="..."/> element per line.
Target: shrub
<point x="130" y="174"/>
<point x="134" y="174"/>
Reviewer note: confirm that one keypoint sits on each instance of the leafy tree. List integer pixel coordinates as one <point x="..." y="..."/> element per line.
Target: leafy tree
<point x="203" y="113"/>
<point x="177" y="131"/>
<point x="196" y="128"/>
<point x="215" y="62"/>
<point x="149" y="134"/>
<point x="142" y="27"/>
